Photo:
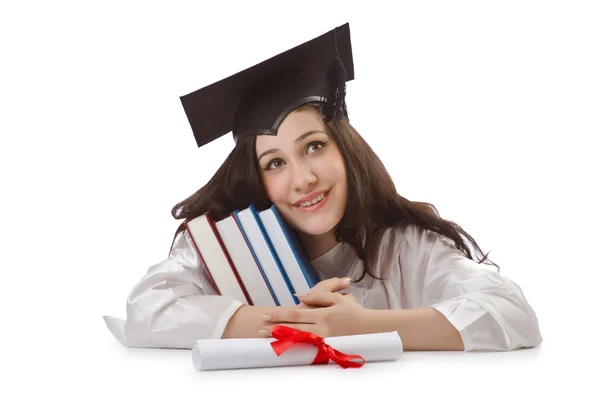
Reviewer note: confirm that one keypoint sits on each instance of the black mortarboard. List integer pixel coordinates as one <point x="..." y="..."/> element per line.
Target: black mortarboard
<point x="254" y="101"/>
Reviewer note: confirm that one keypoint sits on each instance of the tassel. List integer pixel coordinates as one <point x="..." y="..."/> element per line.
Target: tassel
<point x="334" y="105"/>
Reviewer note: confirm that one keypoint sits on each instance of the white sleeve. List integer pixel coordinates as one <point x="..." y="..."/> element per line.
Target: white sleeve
<point x="174" y="304"/>
<point x="488" y="309"/>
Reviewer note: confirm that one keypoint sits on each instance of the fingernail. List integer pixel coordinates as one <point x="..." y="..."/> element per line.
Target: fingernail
<point x="263" y="332"/>
<point x="267" y="317"/>
<point x="347" y="280"/>
<point x="300" y="295"/>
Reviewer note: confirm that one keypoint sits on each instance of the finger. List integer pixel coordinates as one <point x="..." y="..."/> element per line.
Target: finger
<point x="266" y="331"/>
<point x="349" y="295"/>
<point x="322" y="299"/>
<point x="292" y="315"/>
<point x="332" y="284"/>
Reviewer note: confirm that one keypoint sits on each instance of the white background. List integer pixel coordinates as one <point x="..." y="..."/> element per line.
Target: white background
<point x="488" y="110"/>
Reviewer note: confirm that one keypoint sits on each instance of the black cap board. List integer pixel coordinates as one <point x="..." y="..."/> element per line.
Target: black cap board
<point x="255" y="101"/>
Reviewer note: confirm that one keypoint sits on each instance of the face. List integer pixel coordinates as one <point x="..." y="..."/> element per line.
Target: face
<point x="303" y="173"/>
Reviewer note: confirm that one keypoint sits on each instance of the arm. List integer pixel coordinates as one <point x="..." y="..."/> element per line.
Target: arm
<point x="419" y="329"/>
<point x="452" y="303"/>
<point x="488" y="310"/>
<point x="174" y="304"/>
<point x="246" y="322"/>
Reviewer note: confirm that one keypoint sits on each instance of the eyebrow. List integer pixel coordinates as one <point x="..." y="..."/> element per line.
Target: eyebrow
<point x="301" y="137"/>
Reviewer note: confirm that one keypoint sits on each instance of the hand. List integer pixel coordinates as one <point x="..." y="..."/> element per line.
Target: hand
<point x="335" y="315"/>
<point x="330" y="285"/>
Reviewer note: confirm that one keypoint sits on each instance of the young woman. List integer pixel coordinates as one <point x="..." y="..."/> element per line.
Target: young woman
<point x="386" y="263"/>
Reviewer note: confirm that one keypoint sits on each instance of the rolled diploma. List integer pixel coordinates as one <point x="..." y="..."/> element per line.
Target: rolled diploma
<point x="211" y="354"/>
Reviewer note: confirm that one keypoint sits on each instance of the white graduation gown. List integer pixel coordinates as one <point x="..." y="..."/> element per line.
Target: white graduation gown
<point x="174" y="304"/>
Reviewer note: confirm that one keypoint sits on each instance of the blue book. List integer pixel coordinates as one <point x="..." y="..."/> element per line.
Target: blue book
<point x="265" y="256"/>
<point x="295" y="262"/>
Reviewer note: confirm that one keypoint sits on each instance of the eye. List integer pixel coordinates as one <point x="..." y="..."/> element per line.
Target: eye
<point x="274" y="162"/>
<point x="317" y="145"/>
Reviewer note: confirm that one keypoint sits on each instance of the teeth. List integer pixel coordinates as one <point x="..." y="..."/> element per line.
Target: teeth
<point x="314" y="201"/>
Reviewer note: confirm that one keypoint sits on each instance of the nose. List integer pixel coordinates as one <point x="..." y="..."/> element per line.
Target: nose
<point x="302" y="176"/>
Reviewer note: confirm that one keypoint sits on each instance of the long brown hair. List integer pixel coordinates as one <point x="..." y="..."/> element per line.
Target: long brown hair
<point x="373" y="202"/>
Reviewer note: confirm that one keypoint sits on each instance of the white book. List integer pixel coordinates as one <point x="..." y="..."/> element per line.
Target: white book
<point x="244" y="262"/>
<point x="211" y="252"/>
<point x="266" y="258"/>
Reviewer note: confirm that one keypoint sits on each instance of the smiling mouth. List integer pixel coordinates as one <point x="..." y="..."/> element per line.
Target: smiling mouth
<point x="309" y="204"/>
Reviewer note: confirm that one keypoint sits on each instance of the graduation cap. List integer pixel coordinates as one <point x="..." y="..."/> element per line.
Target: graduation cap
<point x="256" y="100"/>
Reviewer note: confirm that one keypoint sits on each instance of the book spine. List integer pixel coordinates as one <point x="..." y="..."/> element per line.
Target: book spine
<point x="274" y="253"/>
<point x="310" y="275"/>
<point x="235" y="272"/>
<point x="262" y="272"/>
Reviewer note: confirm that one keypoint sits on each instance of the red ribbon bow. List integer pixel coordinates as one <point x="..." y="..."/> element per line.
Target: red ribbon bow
<point x="287" y="337"/>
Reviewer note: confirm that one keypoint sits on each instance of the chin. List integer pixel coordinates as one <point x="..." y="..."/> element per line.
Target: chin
<point x="315" y="231"/>
<point x="316" y="228"/>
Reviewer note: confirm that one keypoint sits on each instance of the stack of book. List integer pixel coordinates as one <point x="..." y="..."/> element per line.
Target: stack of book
<point x="253" y="256"/>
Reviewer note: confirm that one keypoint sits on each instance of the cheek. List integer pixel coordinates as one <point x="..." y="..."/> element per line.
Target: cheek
<point x="334" y="170"/>
<point x="337" y="172"/>
<point x="275" y="188"/>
